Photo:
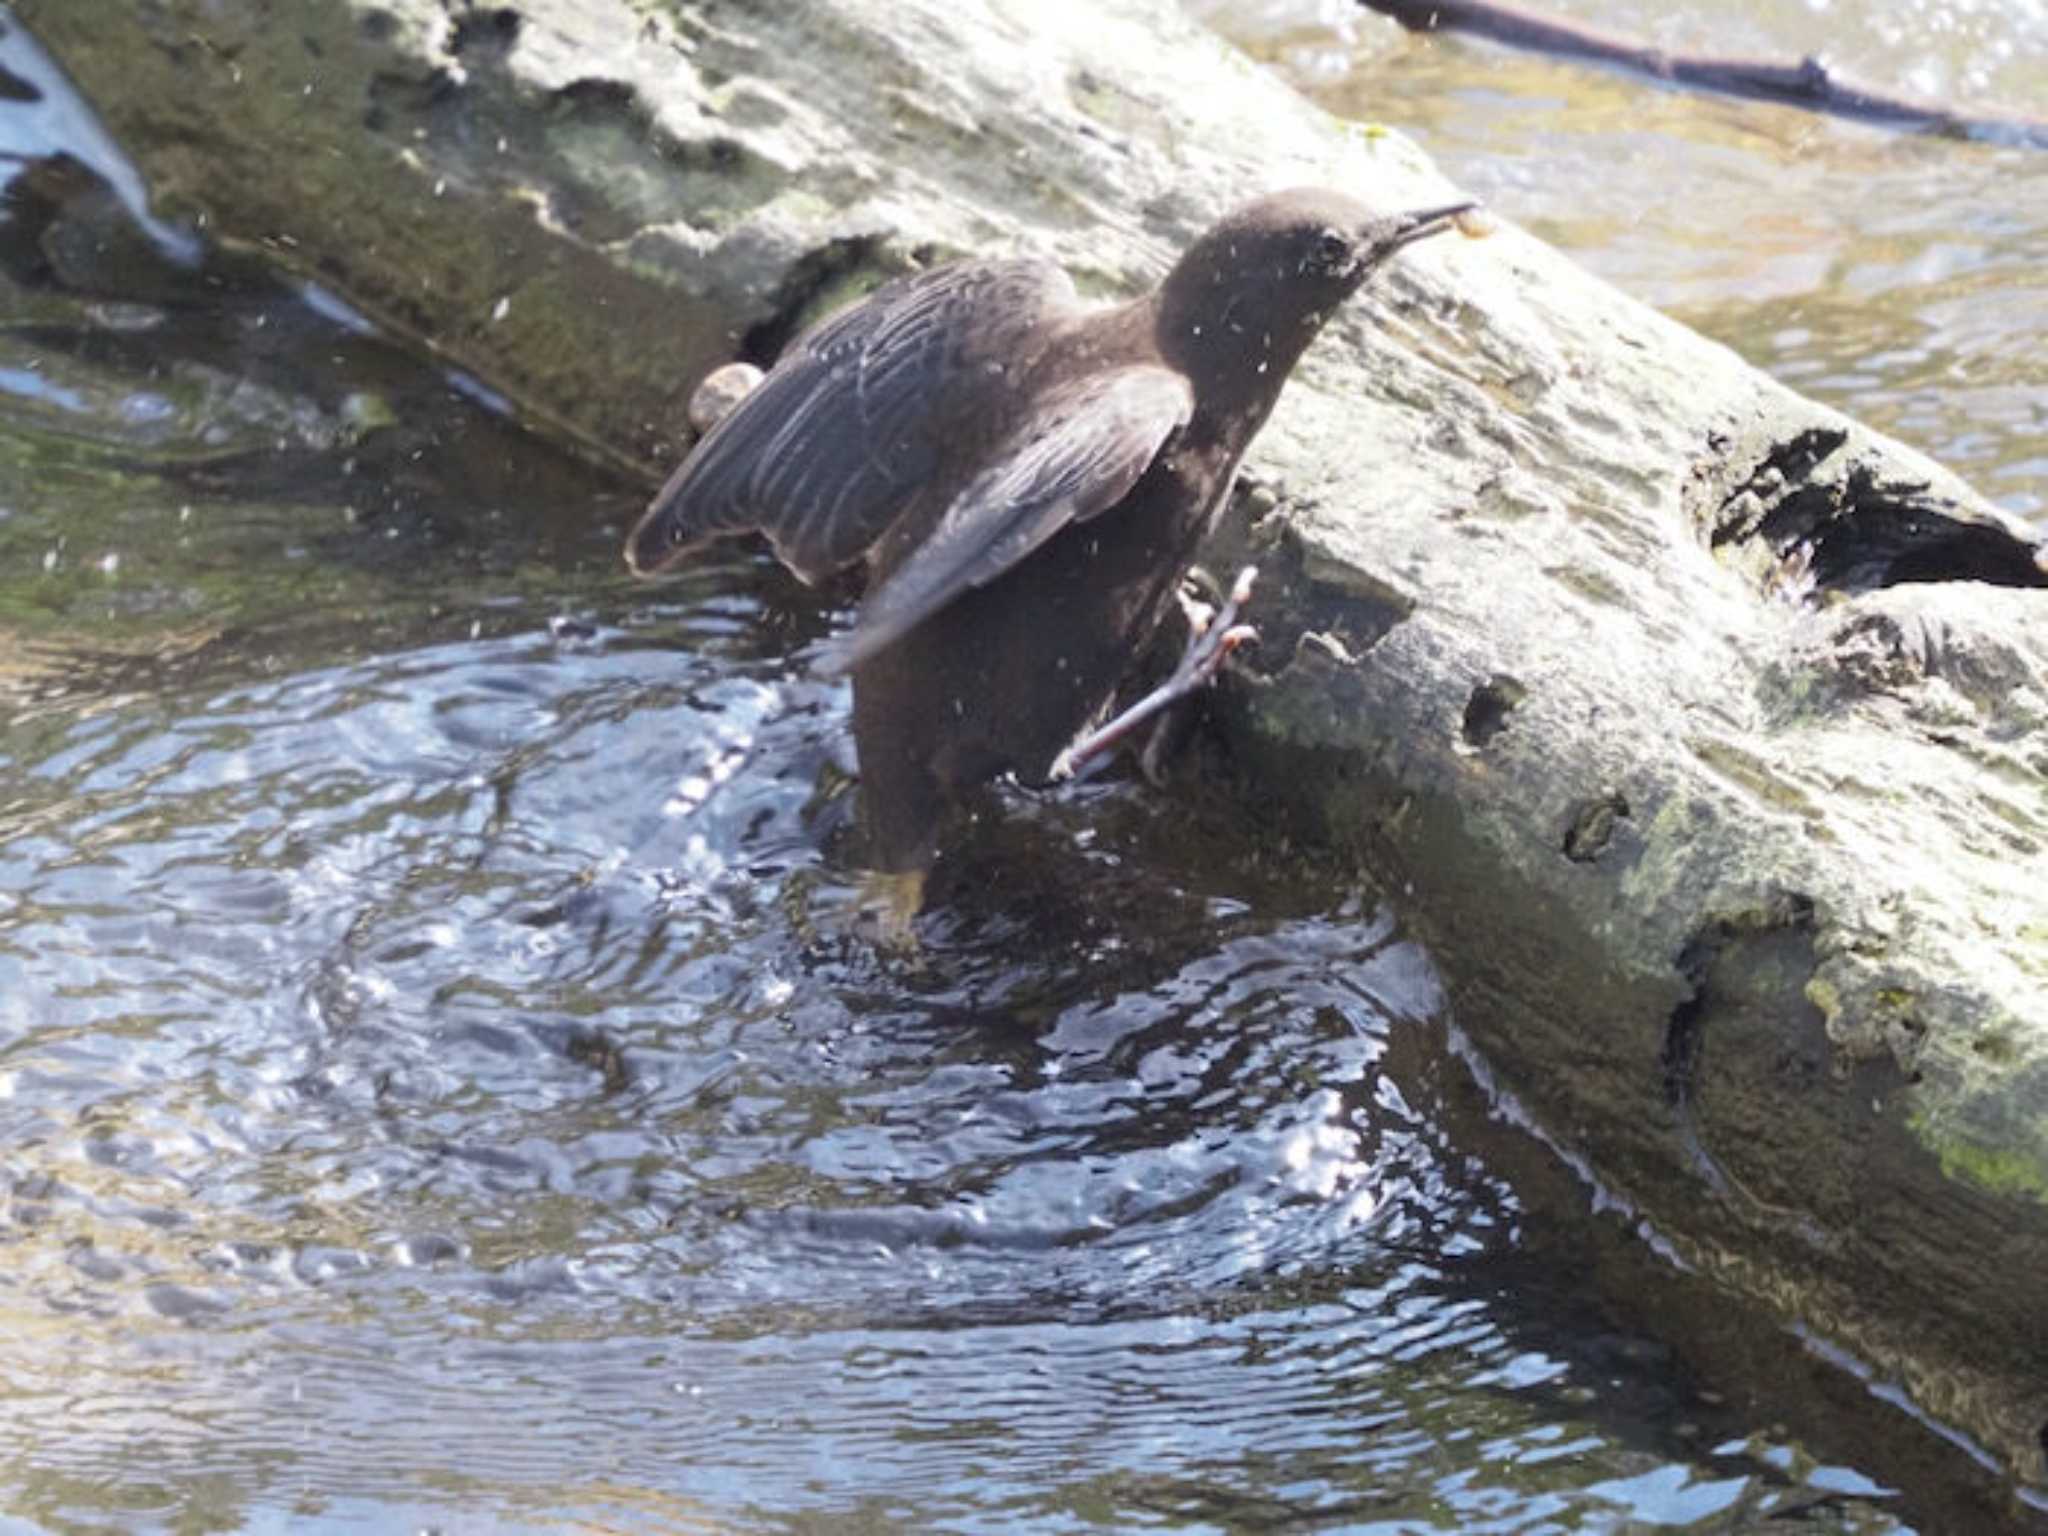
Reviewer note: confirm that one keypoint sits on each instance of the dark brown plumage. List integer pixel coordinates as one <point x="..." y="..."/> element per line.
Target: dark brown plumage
<point x="1026" y="479"/>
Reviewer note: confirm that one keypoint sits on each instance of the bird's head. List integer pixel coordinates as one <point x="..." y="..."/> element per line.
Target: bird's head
<point x="1257" y="287"/>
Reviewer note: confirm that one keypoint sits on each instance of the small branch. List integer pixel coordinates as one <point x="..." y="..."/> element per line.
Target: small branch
<point x="1807" y="84"/>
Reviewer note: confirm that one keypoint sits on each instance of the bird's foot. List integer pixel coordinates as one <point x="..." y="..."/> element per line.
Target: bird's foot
<point x="1212" y="635"/>
<point x="878" y="909"/>
<point x="889" y="900"/>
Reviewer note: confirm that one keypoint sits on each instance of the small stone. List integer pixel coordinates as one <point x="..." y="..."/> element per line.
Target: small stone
<point x="722" y="389"/>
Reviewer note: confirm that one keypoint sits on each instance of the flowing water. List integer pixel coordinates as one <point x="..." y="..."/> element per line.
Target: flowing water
<point x="436" y="1091"/>
<point x="1899" y="277"/>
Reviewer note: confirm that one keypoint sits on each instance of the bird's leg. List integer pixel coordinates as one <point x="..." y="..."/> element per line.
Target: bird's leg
<point x="1212" y="636"/>
<point x="892" y="899"/>
<point x="1159" y="745"/>
<point x="1200" y="613"/>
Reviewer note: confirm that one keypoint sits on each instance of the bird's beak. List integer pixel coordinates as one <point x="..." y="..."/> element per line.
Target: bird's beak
<point x="1420" y="225"/>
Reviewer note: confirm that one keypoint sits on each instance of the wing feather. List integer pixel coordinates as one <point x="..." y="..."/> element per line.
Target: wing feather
<point x="1077" y="455"/>
<point x="834" y="442"/>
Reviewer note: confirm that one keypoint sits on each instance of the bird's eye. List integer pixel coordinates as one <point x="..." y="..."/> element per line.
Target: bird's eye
<point x="1332" y="249"/>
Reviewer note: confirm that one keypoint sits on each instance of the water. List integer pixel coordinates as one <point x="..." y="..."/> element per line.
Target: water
<point x="435" y="1092"/>
<point x="1897" y="277"/>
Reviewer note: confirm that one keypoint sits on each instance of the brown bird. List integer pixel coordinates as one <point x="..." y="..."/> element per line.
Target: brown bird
<point x="1027" y="480"/>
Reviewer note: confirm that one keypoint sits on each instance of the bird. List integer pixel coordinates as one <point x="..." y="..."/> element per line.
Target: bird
<point x="1027" y="480"/>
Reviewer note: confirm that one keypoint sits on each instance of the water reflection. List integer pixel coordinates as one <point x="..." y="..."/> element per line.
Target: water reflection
<point x="1895" y="276"/>
<point x="47" y="118"/>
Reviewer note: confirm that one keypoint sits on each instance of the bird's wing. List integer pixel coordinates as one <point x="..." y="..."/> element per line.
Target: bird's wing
<point x="828" y="448"/>
<point x="1077" y="454"/>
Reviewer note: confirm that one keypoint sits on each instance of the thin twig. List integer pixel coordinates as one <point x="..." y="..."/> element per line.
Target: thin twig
<point x="1809" y="84"/>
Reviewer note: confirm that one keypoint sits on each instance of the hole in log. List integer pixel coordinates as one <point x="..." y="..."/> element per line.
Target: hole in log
<point x="491" y="33"/>
<point x="1742" y="938"/>
<point x="1836" y="527"/>
<point x="1592" y="827"/>
<point x="795" y="303"/>
<point x="1487" y="711"/>
<point x="596" y="99"/>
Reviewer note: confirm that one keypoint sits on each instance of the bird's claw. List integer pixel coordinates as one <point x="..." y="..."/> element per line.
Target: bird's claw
<point x="1199" y="613"/>
<point x="1212" y="635"/>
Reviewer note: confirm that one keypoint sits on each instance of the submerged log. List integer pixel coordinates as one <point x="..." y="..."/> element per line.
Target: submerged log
<point x="1703" y="732"/>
